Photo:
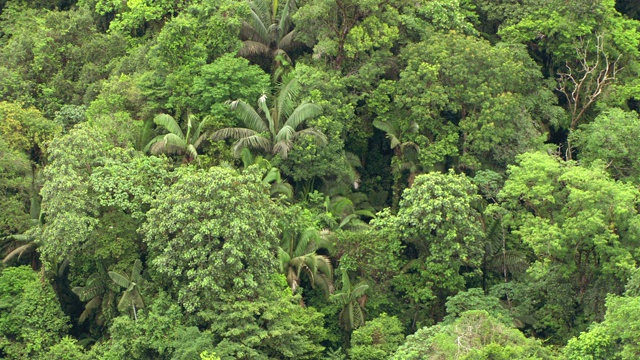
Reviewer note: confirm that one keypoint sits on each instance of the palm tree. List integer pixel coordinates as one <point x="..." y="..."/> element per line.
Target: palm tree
<point x="297" y="253"/>
<point x="268" y="33"/>
<point x="352" y="299"/>
<point x="272" y="176"/>
<point x="18" y="245"/>
<point x="176" y="142"/>
<point x="99" y="292"/>
<point x="131" y="296"/>
<point x="400" y="161"/>
<point x="276" y="132"/>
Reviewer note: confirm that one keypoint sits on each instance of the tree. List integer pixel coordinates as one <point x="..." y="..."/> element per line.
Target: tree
<point x="377" y="339"/>
<point x="438" y="222"/>
<point x="581" y="228"/>
<point x="478" y="103"/>
<point x="611" y="137"/>
<point x="474" y="335"/>
<point x="132" y="284"/>
<point x="31" y="320"/>
<point x="69" y="210"/>
<point x="351" y="299"/>
<point x="176" y="142"/>
<point x="99" y="292"/>
<point x="616" y="336"/>
<point x="297" y="254"/>
<point x="398" y="143"/>
<point x="15" y="190"/>
<point x="277" y="131"/>
<point x="271" y="326"/>
<point x="213" y="222"/>
<point x="268" y="31"/>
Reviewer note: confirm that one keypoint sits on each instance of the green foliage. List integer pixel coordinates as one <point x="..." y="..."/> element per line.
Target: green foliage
<point x="70" y="115"/>
<point x="475" y="299"/>
<point x="277" y="131"/>
<point x="26" y="130"/>
<point x="611" y="137"/>
<point x="437" y="219"/>
<point x="193" y="38"/>
<point x="213" y="222"/>
<point x="377" y="339"/>
<point x="351" y="298"/>
<point x="614" y="338"/>
<point x="129" y="181"/>
<point x="159" y="333"/>
<point x="468" y="99"/>
<point x="226" y="78"/>
<point x="271" y="326"/>
<point x="15" y="190"/>
<point x="67" y="204"/>
<point x="67" y="349"/>
<point x="298" y="252"/>
<point x="132" y="285"/>
<point x="31" y="320"/>
<point x="582" y="227"/>
<point x="52" y="58"/>
<point x="176" y="141"/>
<point x="475" y="335"/>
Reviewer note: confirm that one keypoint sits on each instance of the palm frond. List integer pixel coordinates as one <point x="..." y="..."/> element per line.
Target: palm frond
<point x="125" y="302"/>
<point x="323" y="265"/>
<point x="89" y="308"/>
<point x="232" y="133"/>
<point x="282" y="148"/>
<point x="324" y="283"/>
<point x="19" y="251"/>
<point x="143" y="134"/>
<point x="254" y="142"/>
<point x="285" y="133"/>
<point x="272" y="175"/>
<point x="136" y="298"/>
<point x="250" y="48"/>
<point x="287" y="96"/>
<point x="254" y="26"/>
<point x="250" y="118"/>
<point x="359" y="290"/>
<point x="287" y="42"/>
<point x="136" y="271"/>
<point x="306" y="241"/>
<point x="153" y="141"/>
<point x="169" y="123"/>
<point x="391" y="129"/>
<point x="173" y="144"/>
<point x="119" y="279"/>
<point x="191" y="150"/>
<point x="88" y="292"/>
<point x="281" y="189"/>
<point x="284" y="258"/>
<point x="247" y="158"/>
<point x="198" y="135"/>
<point x="302" y="113"/>
<point x="262" y="104"/>
<point x="319" y="136"/>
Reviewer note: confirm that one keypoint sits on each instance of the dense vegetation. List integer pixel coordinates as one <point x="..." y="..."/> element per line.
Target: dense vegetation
<point x="319" y="179"/>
